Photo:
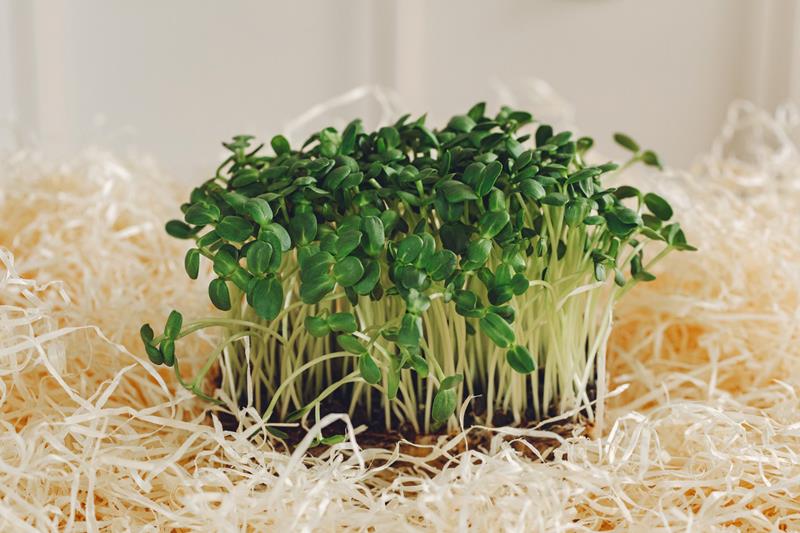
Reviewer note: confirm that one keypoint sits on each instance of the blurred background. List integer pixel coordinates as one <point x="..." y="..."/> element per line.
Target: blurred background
<point x="173" y="79"/>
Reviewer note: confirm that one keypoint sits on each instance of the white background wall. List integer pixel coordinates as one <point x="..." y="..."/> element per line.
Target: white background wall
<point x="175" y="78"/>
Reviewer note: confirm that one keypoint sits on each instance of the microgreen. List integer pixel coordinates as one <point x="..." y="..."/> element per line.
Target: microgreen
<point x="414" y="267"/>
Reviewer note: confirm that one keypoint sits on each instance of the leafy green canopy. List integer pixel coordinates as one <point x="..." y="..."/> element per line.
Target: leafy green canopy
<point x="408" y="212"/>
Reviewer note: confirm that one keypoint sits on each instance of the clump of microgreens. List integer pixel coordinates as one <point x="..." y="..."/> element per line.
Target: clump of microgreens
<point x="402" y="270"/>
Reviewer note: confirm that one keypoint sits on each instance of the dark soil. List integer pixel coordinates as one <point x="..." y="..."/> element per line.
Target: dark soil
<point x="417" y="444"/>
<point x="420" y="445"/>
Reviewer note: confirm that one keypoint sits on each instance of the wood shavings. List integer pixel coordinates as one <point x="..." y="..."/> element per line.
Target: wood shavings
<point x="705" y="438"/>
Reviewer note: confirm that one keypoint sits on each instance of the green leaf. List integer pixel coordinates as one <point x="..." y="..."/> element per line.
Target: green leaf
<point x="333" y="439"/>
<point x="179" y="229"/>
<point x="372" y="274"/>
<point x="411" y="277"/>
<point x="477" y="254"/>
<point x="651" y="234"/>
<point x="685" y="247"/>
<point x="583" y="174"/>
<point x="259" y="210"/>
<point x="472" y="173"/>
<point x="599" y="272"/>
<point x="313" y="292"/>
<point x="461" y="123"/>
<point x="244" y="177"/>
<point x="419" y="365"/>
<point x="559" y="139"/>
<point x="279" y="232"/>
<point x="328" y="242"/>
<point x="455" y="236"/>
<point x="451" y="382"/>
<point x="342" y="322"/>
<point x="372" y="228"/>
<point x="392" y="380"/>
<point x="275" y="432"/>
<point x="428" y="248"/>
<point x="316" y="326"/>
<point x="448" y="212"/>
<point x="497" y="200"/>
<point x="574" y="213"/>
<point x="627" y="215"/>
<point x="488" y="178"/>
<point x="519" y="358"/>
<point x="349" y="223"/>
<point x="146" y="333"/>
<point x="675" y="237"/>
<point x="348" y="271"/>
<point x="317" y="266"/>
<point x="651" y="221"/>
<point x="636" y="264"/>
<point x="234" y="228"/>
<point x="336" y="176"/>
<point x="555" y="199"/>
<point x="259" y="257"/>
<point x="444" y="405"/>
<point x="303" y="227"/>
<point x="427" y="136"/>
<point x="617" y="226"/>
<point x="442" y="265"/>
<point x="208" y="239"/>
<point x="173" y="326"/>
<point x="218" y="292"/>
<point x="417" y="302"/>
<point x="523" y="160"/>
<point x="224" y="263"/>
<point x="519" y="284"/>
<point x="348" y="241"/>
<point x="456" y="192"/>
<point x="167" y="349"/>
<point x="267" y="298"/>
<point x="532" y="189"/>
<point x="492" y="222"/>
<point x="350" y="344"/>
<point x="466" y="300"/>
<point x="294" y="416"/>
<point x="368" y="369"/>
<point x="650" y="158"/>
<point x="619" y="277"/>
<point x="658" y="206"/>
<point x="626" y="142"/>
<point x="154" y="354"/>
<point x="497" y="329"/>
<point x="191" y="262"/>
<point x="409" y="249"/>
<point x="320" y="165"/>
<point x="234" y="199"/>
<point x="584" y="143"/>
<point x="626" y="191"/>
<point x="500" y="294"/>
<point x="349" y="137"/>
<point x="476" y="112"/>
<point x="201" y="214"/>
<point x="280" y="145"/>
<point x="543" y="134"/>
<point x="241" y="278"/>
<point x="410" y="331"/>
<point x="391" y="136"/>
<point x="506" y="312"/>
